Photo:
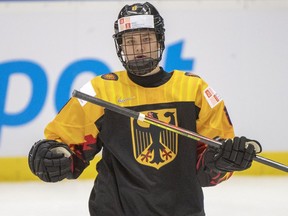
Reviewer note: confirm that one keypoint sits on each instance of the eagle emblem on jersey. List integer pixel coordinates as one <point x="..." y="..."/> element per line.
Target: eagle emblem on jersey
<point x="154" y="146"/>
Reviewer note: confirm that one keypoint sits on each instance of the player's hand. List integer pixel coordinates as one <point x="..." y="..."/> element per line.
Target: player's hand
<point x="234" y="154"/>
<point x="50" y="160"/>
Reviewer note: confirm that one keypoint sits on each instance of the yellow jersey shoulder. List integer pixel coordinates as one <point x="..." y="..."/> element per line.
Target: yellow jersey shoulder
<point x="188" y="74"/>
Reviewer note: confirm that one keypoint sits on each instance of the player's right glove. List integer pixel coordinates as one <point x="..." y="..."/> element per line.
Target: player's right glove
<point x="51" y="161"/>
<point x="233" y="155"/>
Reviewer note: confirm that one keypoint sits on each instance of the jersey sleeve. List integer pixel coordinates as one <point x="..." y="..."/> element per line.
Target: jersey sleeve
<point x="213" y="121"/>
<point x="75" y="125"/>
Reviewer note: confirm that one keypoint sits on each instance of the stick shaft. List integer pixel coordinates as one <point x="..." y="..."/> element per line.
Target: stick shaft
<point x="181" y="131"/>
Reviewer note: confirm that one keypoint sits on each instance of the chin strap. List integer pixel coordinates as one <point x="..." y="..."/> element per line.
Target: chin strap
<point x="141" y="67"/>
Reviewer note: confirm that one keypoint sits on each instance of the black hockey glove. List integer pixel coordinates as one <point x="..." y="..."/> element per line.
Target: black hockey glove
<point x="233" y="155"/>
<point x="50" y="160"/>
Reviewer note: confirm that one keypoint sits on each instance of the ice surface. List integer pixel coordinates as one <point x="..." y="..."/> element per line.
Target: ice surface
<point x="245" y="196"/>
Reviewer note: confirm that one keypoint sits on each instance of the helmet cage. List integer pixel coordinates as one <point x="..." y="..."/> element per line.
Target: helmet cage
<point x="151" y="57"/>
<point x="135" y="19"/>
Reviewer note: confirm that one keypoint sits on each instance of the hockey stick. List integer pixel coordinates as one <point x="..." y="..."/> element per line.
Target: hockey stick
<point x="178" y="130"/>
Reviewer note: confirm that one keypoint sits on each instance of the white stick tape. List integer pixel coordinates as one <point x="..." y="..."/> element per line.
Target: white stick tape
<point x="141" y="117"/>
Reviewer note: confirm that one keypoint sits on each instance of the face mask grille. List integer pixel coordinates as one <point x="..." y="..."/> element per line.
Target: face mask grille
<point x="139" y="50"/>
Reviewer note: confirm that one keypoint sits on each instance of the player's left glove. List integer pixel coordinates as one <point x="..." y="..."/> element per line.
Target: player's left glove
<point x="234" y="154"/>
<point x="51" y="161"/>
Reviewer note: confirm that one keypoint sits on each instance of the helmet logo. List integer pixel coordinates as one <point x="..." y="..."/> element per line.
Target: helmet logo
<point x="134" y="8"/>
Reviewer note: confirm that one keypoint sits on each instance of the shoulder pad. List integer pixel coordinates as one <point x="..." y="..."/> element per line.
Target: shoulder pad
<point x="191" y="74"/>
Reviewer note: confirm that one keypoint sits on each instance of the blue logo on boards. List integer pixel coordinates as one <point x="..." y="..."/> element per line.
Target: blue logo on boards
<point x="39" y="82"/>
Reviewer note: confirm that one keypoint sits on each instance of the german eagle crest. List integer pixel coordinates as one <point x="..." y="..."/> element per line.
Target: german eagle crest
<point x="152" y="145"/>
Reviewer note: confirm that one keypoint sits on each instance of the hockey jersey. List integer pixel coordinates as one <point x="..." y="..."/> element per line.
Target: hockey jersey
<point x="145" y="170"/>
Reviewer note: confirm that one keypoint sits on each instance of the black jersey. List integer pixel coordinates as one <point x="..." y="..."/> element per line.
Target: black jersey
<point x="145" y="170"/>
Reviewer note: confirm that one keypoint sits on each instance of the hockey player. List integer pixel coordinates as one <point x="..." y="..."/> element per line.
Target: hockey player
<point x="144" y="170"/>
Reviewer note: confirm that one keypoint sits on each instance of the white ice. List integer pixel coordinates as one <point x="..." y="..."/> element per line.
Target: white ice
<point x="239" y="196"/>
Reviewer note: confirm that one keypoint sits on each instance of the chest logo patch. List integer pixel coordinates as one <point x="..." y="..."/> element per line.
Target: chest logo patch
<point x="154" y="146"/>
<point x="110" y="76"/>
